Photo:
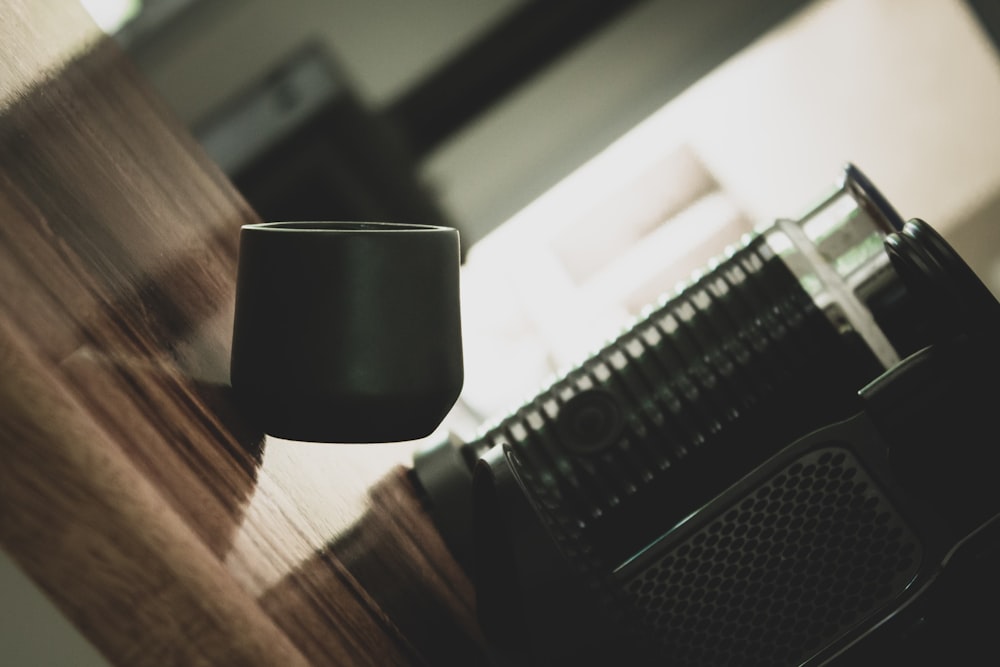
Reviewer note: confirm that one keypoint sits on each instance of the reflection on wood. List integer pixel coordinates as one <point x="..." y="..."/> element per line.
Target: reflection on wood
<point x="96" y="535"/>
<point x="131" y="489"/>
<point x="400" y="563"/>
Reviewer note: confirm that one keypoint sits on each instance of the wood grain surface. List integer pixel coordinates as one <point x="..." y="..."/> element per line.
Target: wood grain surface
<point x="131" y="491"/>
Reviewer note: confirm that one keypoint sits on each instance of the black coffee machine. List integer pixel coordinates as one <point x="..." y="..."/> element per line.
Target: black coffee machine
<point x="791" y="461"/>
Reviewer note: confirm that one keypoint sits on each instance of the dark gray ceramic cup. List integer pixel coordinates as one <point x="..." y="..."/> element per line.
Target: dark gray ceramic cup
<point x="347" y="331"/>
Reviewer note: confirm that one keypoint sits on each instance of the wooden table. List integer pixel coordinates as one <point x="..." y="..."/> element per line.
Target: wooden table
<point x="131" y="490"/>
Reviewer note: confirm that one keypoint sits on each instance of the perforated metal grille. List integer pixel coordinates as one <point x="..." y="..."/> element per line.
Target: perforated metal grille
<point x="783" y="572"/>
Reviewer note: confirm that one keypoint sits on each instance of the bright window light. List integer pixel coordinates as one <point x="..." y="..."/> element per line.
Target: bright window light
<point x="111" y="15"/>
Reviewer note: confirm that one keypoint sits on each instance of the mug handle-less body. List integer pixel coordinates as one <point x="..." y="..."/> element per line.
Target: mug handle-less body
<point x="347" y="331"/>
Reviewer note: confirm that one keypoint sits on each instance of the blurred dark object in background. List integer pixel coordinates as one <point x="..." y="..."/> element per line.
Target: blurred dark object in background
<point x="300" y="145"/>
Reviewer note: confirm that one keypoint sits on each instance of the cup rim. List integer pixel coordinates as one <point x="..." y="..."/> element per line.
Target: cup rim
<point x="341" y="226"/>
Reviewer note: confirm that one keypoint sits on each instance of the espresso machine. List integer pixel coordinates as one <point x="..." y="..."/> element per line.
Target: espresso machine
<point x="790" y="461"/>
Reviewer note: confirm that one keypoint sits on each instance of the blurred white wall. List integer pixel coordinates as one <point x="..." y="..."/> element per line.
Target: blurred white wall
<point x="908" y="90"/>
